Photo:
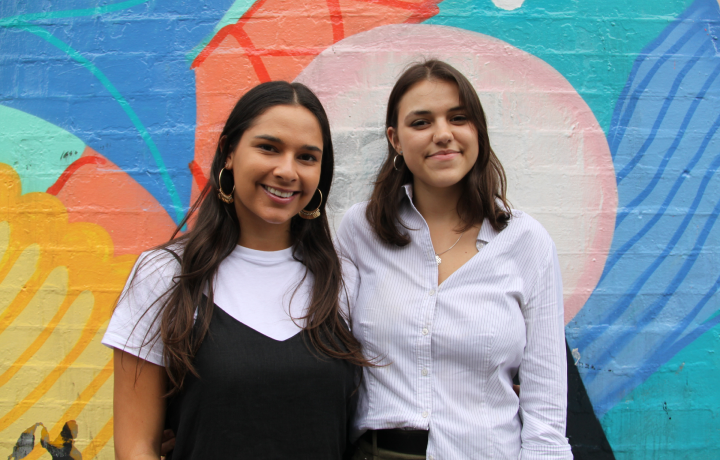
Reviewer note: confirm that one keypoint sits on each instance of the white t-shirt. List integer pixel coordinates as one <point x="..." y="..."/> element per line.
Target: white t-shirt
<point x="257" y="288"/>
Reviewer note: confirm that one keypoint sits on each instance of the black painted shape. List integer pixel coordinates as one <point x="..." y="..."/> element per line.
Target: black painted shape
<point x="63" y="447"/>
<point x="584" y="431"/>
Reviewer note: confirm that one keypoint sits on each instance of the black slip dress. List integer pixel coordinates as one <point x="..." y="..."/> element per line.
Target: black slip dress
<point x="259" y="398"/>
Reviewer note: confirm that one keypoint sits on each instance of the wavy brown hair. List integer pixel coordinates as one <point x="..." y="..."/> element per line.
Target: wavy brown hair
<point x="484" y="186"/>
<point x="215" y="233"/>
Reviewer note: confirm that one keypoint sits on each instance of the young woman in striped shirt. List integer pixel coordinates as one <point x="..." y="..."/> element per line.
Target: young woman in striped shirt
<point x="456" y="293"/>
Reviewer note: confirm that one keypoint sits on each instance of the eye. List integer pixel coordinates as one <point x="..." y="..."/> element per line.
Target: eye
<point x="308" y="157"/>
<point x="267" y="147"/>
<point x="420" y="123"/>
<point x="459" y="119"/>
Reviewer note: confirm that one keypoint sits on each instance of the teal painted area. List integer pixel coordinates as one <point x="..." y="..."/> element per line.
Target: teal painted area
<point x="23" y="18"/>
<point x="39" y="151"/>
<point x="675" y="414"/>
<point x="592" y="43"/>
<point x="79" y="58"/>
<point x="236" y="11"/>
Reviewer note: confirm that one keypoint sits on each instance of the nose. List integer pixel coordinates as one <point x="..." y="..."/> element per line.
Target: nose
<point x="443" y="133"/>
<point x="285" y="168"/>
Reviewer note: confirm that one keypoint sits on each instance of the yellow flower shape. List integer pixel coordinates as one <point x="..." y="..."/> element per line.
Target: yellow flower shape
<point x="58" y="284"/>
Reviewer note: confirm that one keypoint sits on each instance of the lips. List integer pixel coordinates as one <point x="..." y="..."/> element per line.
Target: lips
<point x="279" y="195"/>
<point x="279" y="192"/>
<point x="444" y="154"/>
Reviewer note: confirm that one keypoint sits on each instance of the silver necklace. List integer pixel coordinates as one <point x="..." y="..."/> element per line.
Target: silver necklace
<point x="437" y="256"/>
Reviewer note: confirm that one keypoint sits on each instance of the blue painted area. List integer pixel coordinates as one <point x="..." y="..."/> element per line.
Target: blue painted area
<point x="659" y="291"/>
<point x="592" y="44"/>
<point x="141" y="113"/>
<point x="674" y="413"/>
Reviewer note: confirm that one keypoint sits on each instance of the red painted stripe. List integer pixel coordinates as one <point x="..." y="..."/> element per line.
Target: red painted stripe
<point x="244" y="39"/>
<point x="200" y="179"/>
<point x="336" y="19"/>
<point x="55" y="188"/>
<point x="222" y="33"/>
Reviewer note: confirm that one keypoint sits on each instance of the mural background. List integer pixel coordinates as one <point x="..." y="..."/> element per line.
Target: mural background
<point x="605" y="115"/>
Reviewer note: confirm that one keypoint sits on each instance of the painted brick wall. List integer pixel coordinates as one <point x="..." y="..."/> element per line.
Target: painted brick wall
<point x="605" y="115"/>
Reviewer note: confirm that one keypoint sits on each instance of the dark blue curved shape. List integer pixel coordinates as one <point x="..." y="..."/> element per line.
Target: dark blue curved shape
<point x="704" y="47"/>
<point x="630" y="110"/>
<point x="669" y="348"/>
<point x="664" y="141"/>
<point x="650" y="313"/>
<point x="678" y="137"/>
<point x="647" y="51"/>
<point x="615" y="256"/>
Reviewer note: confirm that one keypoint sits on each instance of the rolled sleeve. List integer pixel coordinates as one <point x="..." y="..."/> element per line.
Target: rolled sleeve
<point x="543" y="370"/>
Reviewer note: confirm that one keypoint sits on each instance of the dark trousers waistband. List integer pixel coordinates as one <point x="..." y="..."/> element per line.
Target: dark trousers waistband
<point x="412" y="442"/>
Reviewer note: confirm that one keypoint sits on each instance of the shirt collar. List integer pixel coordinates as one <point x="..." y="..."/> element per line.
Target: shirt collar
<point x="487" y="232"/>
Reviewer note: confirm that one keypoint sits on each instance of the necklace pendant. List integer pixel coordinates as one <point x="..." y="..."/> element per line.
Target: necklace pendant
<point x="438" y="259"/>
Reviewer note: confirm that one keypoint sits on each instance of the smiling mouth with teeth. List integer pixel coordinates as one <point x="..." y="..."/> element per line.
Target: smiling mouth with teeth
<point x="277" y="192"/>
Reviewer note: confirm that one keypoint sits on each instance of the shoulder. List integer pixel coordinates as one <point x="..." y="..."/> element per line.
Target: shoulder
<point x="352" y="221"/>
<point x="355" y="215"/>
<point x="155" y="269"/>
<point x="526" y="233"/>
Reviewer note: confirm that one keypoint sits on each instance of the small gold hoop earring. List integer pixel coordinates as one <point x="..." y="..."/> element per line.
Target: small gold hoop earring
<point x="395" y="161"/>
<point x="312" y="214"/>
<point x="222" y="195"/>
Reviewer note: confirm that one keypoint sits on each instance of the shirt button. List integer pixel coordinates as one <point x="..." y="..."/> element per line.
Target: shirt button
<point x="424" y="372"/>
<point x="431" y="457"/>
<point x="431" y="293"/>
<point x="425" y="414"/>
<point x="425" y="331"/>
<point x="479" y="245"/>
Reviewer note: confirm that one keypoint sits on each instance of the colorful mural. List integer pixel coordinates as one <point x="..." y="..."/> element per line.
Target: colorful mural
<point x="605" y="115"/>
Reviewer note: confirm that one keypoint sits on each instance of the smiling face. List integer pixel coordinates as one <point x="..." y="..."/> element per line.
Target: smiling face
<point x="276" y="166"/>
<point x="438" y="142"/>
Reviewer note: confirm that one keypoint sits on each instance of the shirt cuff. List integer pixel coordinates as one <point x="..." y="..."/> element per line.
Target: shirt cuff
<point x="546" y="453"/>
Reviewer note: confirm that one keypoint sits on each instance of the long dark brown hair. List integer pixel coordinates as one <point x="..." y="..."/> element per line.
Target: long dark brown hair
<point x="215" y="233"/>
<point x="484" y="186"/>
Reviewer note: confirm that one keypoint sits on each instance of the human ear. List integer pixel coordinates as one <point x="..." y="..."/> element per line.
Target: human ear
<point x="391" y="134"/>
<point x="222" y="145"/>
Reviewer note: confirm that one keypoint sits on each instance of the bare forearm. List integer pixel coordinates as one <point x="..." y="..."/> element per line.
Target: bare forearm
<point x="139" y="408"/>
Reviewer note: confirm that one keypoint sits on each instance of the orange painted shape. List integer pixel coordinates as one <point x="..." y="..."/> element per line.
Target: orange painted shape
<point x="97" y="191"/>
<point x="286" y="24"/>
<point x="286" y="67"/>
<point x="277" y="39"/>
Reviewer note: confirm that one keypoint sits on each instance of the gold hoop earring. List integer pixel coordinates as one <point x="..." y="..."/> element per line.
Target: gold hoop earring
<point x="312" y="214"/>
<point x="222" y="195"/>
<point x="395" y="161"/>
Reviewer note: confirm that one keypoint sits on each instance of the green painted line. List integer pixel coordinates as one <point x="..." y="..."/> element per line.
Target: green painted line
<point x="24" y="18"/>
<point x="74" y="54"/>
<point x="233" y="14"/>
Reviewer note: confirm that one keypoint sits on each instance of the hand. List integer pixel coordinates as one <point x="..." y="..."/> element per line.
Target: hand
<point x="168" y="442"/>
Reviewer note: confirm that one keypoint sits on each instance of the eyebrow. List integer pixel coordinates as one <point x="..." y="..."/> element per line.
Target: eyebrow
<point x="276" y="140"/>
<point x="428" y="112"/>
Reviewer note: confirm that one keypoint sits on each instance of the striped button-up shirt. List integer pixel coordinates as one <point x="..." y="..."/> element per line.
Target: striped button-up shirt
<point x="450" y="351"/>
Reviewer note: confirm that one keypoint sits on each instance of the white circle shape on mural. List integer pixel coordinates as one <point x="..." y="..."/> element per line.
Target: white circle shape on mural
<point x="557" y="160"/>
<point x="508" y="4"/>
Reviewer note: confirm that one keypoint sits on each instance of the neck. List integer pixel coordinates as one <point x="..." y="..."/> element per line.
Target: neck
<point x="264" y="241"/>
<point x="438" y="205"/>
<point x="260" y="235"/>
